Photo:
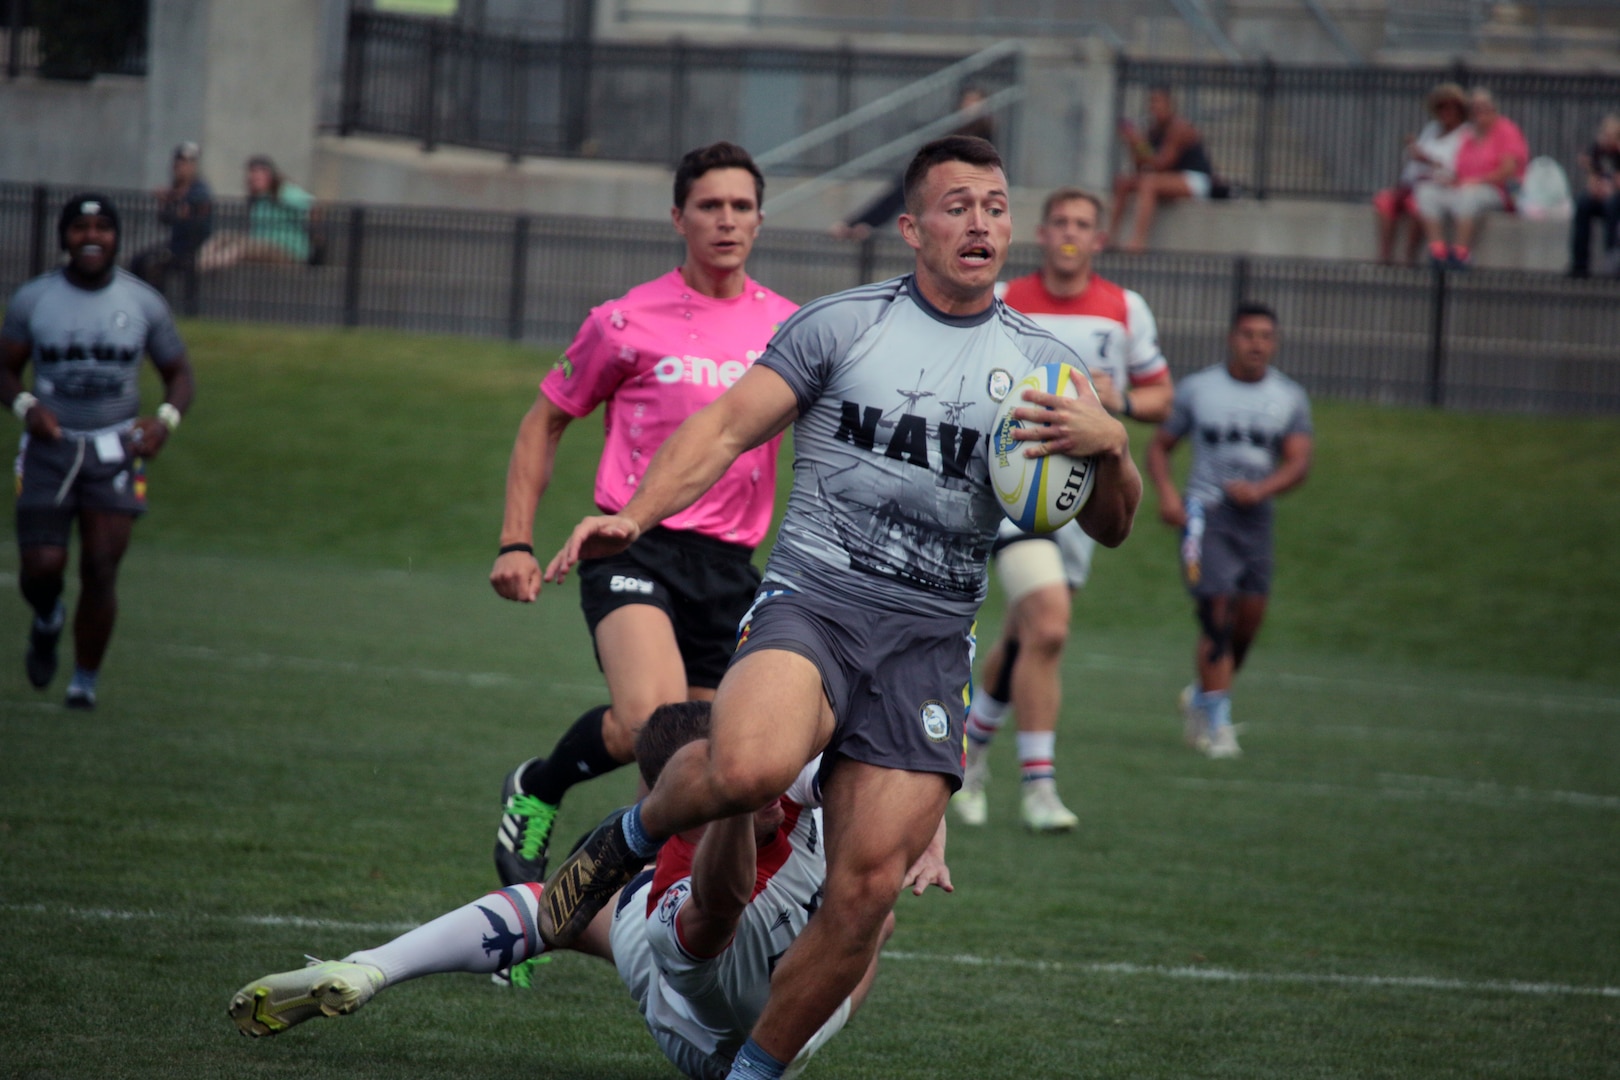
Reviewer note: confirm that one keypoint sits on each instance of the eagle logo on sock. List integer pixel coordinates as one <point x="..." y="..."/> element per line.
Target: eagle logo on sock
<point x="502" y="941"/>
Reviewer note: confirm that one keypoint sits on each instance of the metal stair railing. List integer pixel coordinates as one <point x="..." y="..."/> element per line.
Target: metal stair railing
<point x="872" y="110"/>
<point x="892" y="150"/>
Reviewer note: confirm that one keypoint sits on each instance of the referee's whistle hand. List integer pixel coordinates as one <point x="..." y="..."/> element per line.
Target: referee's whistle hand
<point x="516" y="576"/>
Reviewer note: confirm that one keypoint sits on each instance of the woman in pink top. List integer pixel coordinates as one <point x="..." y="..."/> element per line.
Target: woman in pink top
<point x="664" y="614"/>
<point x="1490" y="164"/>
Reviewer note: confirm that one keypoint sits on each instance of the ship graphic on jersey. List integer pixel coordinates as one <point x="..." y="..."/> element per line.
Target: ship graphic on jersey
<point x="889" y="527"/>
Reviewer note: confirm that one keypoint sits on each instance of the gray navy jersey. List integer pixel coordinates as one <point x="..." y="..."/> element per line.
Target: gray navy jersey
<point x="1237" y="428"/>
<point x="891" y="504"/>
<point x="87" y="345"/>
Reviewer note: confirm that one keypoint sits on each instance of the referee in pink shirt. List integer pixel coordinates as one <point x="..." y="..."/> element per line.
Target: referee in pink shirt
<point x="664" y="613"/>
<point x="1490" y="163"/>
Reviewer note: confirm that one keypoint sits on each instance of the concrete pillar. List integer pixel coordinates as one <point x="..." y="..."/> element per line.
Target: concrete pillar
<point x="176" y="85"/>
<point x="262" y="70"/>
<point x="1066" y="122"/>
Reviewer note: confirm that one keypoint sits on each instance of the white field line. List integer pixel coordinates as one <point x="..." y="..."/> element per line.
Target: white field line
<point x="1204" y="974"/>
<point x="1500" y="699"/>
<point x="296" y="921"/>
<point x="1400" y="786"/>
<point x="1212" y="974"/>
<point x="484" y="680"/>
<point x="262" y="661"/>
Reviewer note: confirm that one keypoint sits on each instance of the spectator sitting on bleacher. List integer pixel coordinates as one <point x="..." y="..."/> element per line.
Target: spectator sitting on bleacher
<point x="1599" y="198"/>
<point x="186" y="206"/>
<point x="1170" y="163"/>
<point x="1430" y="155"/>
<point x="278" y="222"/>
<point x="1490" y="164"/>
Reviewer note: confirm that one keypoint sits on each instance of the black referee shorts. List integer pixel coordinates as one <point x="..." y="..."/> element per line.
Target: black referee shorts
<point x="704" y="585"/>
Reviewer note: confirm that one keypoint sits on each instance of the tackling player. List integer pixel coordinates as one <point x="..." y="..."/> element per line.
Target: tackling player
<point x="663" y="614"/>
<point x="84" y="447"/>
<point x="858" y="645"/>
<point x="1251" y="432"/>
<point x="695" y="938"/>
<point x="1112" y="330"/>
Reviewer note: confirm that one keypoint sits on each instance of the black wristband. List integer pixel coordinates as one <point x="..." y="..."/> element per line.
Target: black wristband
<point x="507" y="549"/>
<point x="1125" y="403"/>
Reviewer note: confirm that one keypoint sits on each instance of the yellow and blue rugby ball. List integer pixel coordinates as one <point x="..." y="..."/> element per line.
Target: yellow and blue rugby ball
<point x="1038" y="494"/>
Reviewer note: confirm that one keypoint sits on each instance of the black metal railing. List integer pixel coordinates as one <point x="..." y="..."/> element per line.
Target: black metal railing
<point x="1336" y="132"/>
<point x="1483" y="340"/>
<point x="57" y="40"/>
<point x="440" y="83"/>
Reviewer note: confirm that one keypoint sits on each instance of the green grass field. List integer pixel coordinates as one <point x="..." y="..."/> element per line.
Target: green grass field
<point x="313" y="695"/>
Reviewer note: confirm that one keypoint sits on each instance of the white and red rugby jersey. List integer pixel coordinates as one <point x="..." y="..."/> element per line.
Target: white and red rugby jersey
<point x="1109" y="326"/>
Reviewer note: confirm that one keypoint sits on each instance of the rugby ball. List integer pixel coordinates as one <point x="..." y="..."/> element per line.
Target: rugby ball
<point x="1038" y="494"/>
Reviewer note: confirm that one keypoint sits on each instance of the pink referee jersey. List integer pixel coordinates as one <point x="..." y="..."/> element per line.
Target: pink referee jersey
<point x="657" y="355"/>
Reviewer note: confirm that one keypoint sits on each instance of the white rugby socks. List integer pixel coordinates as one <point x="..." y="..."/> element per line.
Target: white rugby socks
<point x="495" y="931"/>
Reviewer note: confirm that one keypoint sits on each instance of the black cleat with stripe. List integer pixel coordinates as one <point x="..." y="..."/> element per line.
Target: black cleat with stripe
<point x="585" y="883"/>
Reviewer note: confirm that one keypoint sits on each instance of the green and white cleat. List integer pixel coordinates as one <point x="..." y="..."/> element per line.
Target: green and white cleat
<point x="1043" y="811"/>
<point x="521" y="975"/>
<point x="524" y="833"/>
<point x="271" y="1005"/>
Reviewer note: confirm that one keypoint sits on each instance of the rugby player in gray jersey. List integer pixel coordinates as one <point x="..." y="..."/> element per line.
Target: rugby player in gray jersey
<point x="84" y="446"/>
<point x="858" y="645"/>
<point x="1251" y="432"/>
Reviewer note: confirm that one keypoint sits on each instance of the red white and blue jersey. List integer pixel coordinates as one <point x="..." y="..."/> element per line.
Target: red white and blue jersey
<point x="712" y="1003"/>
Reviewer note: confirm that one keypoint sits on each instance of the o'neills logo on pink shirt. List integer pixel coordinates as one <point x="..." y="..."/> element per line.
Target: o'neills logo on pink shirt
<point x="700" y="370"/>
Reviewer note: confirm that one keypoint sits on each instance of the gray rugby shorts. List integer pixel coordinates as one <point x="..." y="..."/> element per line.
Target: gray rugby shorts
<point x="898" y="683"/>
<point x="57" y="478"/>
<point x="1232" y="557"/>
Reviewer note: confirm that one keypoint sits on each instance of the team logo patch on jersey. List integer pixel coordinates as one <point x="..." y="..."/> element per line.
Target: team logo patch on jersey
<point x="936" y="721"/>
<point x="670" y="905"/>
<point x="566" y="366"/>
<point x="120" y="319"/>
<point x="1000" y="384"/>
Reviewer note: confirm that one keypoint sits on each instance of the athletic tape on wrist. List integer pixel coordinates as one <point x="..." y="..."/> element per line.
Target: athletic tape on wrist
<point x="22" y="403"/>
<point x="169" y="415"/>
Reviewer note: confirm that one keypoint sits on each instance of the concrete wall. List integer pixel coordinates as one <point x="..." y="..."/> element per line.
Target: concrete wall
<point x="238" y="76"/>
<point x="262" y="65"/>
<point x="90" y="134"/>
<point x="1066" y="123"/>
<point x="396" y="172"/>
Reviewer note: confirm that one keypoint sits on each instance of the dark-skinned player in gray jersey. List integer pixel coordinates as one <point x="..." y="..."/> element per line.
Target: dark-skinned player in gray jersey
<point x="84" y="327"/>
<point x="1250" y="428"/>
<point x="858" y="643"/>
